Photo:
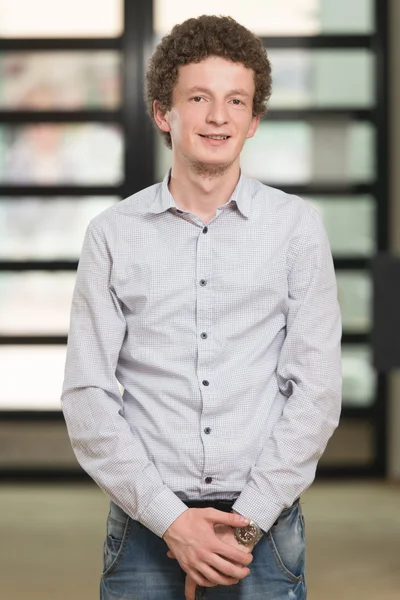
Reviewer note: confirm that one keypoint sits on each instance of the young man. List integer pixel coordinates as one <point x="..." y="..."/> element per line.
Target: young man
<point x="211" y="298"/>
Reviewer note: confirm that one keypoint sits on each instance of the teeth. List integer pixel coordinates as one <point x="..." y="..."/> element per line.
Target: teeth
<point x="216" y="137"/>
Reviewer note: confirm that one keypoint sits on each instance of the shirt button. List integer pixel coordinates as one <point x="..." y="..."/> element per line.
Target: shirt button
<point x="203" y="282"/>
<point x="208" y="479"/>
<point x="203" y="336"/>
<point x="207" y="430"/>
<point x="205" y="229"/>
<point x="205" y="382"/>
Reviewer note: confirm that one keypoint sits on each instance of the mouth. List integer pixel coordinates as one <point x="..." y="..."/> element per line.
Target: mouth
<point x="215" y="137"/>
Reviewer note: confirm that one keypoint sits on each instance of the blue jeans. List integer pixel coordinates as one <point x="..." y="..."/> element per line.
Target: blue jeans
<point x="136" y="566"/>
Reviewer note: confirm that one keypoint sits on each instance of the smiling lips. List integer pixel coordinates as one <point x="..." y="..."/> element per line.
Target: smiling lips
<point x="216" y="137"/>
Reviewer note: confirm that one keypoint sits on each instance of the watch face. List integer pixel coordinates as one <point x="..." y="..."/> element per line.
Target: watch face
<point x="248" y="534"/>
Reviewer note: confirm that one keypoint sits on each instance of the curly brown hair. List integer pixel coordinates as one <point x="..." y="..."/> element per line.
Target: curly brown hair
<point x="195" y="40"/>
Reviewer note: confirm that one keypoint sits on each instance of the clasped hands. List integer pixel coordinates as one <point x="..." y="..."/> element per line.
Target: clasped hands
<point x="203" y="542"/>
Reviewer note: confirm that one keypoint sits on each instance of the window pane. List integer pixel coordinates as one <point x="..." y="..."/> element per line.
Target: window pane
<point x="322" y="78"/>
<point x="46" y="18"/>
<point x="60" y="80"/>
<point x="32" y="377"/>
<point x="355" y="297"/>
<point x="359" y="379"/>
<point x="301" y="152"/>
<point x="46" y="228"/>
<point x="35" y="303"/>
<point x="286" y="17"/>
<point x="349" y="222"/>
<point x="53" y="154"/>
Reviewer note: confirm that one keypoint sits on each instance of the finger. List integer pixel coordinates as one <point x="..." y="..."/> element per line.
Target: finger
<point x="215" y="577"/>
<point x="223" y="518"/>
<point x="199" y="579"/>
<point x="227" y="568"/>
<point x="233" y="554"/>
<point x="190" y="588"/>
<point x="170" y="554"/>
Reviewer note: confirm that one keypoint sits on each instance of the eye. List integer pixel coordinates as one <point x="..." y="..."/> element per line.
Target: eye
<point x="197" y="99"/>
<point x="237" y="102"/>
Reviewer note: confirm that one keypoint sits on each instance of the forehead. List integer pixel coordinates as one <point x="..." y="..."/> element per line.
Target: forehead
<point x="217" y="73"/>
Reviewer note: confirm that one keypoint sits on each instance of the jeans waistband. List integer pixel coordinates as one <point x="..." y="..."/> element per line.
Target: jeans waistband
<point x="224" y="505"/>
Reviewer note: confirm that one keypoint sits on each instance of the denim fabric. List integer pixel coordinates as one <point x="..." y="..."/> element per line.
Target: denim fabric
<point x="136" y="566"/>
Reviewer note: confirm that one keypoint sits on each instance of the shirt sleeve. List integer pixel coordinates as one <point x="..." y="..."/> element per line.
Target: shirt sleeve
<point x="309" y="375"/>
<point x="92" y="403"/>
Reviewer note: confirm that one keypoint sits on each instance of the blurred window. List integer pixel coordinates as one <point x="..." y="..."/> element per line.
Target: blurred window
<point x="270" y="17"/>
<point x="355" y="297"/>
<point x="46" y="153"/>
<point x="49" y="18"/>
<point x="322" y="78"/>
<point x="349" y="222"/>
<point x="35" y="303"/>
<point x="46" y="228"/>
<point x="60" y="80"/>
<point x="359" y="377"/>
<point x="31" y="377"/>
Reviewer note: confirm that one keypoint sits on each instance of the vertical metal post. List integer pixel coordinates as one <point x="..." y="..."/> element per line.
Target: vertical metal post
<point x="137" y="43"/>
<point x="381" y="47"/>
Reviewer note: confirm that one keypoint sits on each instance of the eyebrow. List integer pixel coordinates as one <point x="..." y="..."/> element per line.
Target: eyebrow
<point x="238" y="92"/>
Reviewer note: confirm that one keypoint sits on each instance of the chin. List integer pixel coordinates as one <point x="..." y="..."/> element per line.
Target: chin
<point x="209" y="168"/>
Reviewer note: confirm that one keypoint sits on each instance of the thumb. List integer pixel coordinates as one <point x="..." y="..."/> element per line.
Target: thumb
<point x="219" y="517"/>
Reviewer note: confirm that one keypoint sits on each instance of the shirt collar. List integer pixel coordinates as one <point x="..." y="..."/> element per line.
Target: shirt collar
<point x="241" y="195"/>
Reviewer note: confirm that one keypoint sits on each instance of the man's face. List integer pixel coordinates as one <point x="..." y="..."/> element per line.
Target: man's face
<point x="211" y="114"/>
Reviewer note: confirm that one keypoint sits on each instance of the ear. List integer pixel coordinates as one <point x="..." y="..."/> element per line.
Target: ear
<point x="161" y="116"/>
<point x="253" y="126"/>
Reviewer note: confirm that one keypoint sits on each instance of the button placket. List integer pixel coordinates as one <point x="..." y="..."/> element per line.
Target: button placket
<point x="205" y="348"/>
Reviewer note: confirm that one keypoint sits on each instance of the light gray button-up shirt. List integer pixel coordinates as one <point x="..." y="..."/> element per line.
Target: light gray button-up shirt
<point x="226" y="341"/>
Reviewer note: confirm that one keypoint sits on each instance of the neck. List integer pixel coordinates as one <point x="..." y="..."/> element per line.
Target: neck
<point x="202" y="193"/>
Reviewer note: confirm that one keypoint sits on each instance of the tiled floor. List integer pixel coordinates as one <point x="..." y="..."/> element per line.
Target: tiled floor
<point x="51" y="539"/>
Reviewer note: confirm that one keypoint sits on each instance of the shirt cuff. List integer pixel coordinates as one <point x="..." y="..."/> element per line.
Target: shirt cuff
<point x="257" y="507"/>
<point x="162" y="512"/>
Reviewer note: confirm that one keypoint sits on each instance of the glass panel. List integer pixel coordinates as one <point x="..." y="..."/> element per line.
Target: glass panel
<point x="286" y="17"/>
<point x="299" y="152"/>
<point x="54" y="154"/>
<point x="35" y="303"/>
<point x="279" y="152"/>
<point x="46" y="228"/>
<point x="31" y="377"/>
<point x="341" y="16"/>
<point x="355" y="299"/>
<point x="46" y="18"/>
<point x="349" y="222"/>
<point x="359" y="378"/>
<point x="322" y="78"/>
<point x="60" y="80"/>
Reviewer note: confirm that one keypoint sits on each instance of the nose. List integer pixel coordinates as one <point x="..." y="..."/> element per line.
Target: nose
<point x="217" y="113"/>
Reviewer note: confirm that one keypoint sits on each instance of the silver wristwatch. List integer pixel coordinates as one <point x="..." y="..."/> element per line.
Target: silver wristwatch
<point x="249" y="535"/>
